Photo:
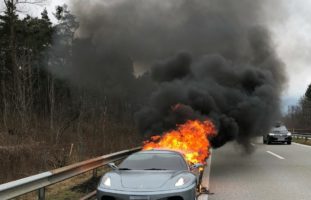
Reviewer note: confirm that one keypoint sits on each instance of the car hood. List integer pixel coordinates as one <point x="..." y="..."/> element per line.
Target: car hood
<point x="142" y="179"/>
<point x="280" y="132"/>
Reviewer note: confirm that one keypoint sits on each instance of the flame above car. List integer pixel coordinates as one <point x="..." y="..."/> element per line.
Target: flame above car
<point x="191" y="139"/>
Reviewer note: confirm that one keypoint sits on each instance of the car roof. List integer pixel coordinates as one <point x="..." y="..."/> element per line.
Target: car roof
<point x="161" y="151"/>
<point x="164" y="151"/>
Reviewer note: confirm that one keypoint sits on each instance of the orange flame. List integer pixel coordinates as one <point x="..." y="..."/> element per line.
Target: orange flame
<point x="191" y="139"/>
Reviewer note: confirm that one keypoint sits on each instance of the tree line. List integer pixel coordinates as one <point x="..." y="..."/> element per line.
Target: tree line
<point x="61" y="121"/>
<point x="299" y="116"/>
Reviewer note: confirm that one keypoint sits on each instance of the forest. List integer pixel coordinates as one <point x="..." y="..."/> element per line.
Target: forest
<point x="299" y="116"/>
<point x="46" y="120"/>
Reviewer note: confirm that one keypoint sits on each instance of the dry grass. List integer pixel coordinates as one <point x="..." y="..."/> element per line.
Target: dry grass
<point x="302" y="141"/>
<point x="22" y="156"/>
<point x="37" y="149"/>
<point x="74" y="188"/>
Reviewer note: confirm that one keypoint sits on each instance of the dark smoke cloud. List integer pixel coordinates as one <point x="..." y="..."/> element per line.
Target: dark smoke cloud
<point x="149" y="30"/>
<point x="225" y="67"/>
<point x="242" y="99"/>
<point x="171" y="69"/>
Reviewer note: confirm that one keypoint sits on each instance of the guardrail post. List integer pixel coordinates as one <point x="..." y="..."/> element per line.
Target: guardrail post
<point x="94" y="173"/>
<point x="41" y="194"/>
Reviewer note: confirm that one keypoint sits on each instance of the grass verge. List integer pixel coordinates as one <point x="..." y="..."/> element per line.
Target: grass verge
<point x="74" y="188"/>
<point x="302" y="141"/>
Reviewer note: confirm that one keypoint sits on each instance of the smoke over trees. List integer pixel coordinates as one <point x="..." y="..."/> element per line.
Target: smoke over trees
<point x="214" y="58"/>
<point x="46" y="120"/>
<point x="89" y="75"/>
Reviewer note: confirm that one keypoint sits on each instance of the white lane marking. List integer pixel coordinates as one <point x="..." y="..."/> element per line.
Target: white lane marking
<point x="276" y="155"/>
<point x="303" y="145"/>
<point x="206" y="173"/>
<point x="209" y="170"/>
<point x="203" y="197"/>
<point x="206" y="177"/>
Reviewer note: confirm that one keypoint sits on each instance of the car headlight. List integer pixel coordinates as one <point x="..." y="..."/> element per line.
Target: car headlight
<point x="272" y="134"/>
<point x="180" y="182"/>
<point x="289" y="134"/>
<point x="106" y="182"/>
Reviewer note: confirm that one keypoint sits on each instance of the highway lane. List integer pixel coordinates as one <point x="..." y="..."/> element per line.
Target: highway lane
<point x="272" y="172"/>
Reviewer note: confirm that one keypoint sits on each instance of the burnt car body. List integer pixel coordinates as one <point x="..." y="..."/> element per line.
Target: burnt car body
<point x="151" y="175"/>
<point x="278" y="134"/>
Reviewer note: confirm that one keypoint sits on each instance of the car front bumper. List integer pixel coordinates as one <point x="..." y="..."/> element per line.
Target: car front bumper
<point x="185" y="193"/>
<point x="279" y="138"/>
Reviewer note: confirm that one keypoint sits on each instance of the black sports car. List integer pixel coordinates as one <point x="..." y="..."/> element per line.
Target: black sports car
<point x="278" y="134"/>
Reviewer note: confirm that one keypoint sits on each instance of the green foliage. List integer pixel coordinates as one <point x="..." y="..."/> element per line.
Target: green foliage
<point x="300" y="116"/>
<point x="8" y="23"/>
<point x="24" y="43"/>
<point x="308" y="93"/>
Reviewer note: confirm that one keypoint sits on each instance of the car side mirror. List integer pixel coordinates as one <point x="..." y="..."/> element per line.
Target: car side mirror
<point x="196" y="166"/>
<point x="112" y="166"/>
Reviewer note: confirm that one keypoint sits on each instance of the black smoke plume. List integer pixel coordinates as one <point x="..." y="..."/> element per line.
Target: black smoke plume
<point x="212" y="58"/>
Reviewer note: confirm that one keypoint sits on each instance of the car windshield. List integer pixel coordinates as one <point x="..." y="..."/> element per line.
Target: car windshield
<point x="154" y="161"/>
<point x="281" y="129"/>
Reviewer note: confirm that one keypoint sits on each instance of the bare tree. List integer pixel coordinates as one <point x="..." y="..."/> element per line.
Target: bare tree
<point x="17" y="94"/>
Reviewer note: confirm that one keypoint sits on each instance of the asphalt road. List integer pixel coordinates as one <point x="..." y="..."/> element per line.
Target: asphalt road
<point x="272" y="172"/>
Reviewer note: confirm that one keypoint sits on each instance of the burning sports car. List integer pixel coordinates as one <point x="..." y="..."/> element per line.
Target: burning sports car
<point x="151" y="175"/>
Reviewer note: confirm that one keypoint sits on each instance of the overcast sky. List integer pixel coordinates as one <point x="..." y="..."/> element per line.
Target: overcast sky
<point x="293" y="40"/>
<point x="292" y="36"/>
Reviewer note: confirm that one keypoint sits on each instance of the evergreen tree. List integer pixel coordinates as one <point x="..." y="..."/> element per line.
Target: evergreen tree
<point x="22" y="44"/>
<point x="308" y="93"/>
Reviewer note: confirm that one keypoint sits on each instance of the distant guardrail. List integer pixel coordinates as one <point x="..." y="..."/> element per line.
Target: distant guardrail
<point x="305" y="136"/>
<point x="300" y="131"/>
<point x="40" y="181"/>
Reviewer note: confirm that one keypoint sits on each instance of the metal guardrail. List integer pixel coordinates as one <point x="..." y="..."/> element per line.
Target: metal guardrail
<point x="40" y="181"/>
<point x="305" y="136"/>
<point x="301" y="133"/>
<point x="298" y="131"/>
